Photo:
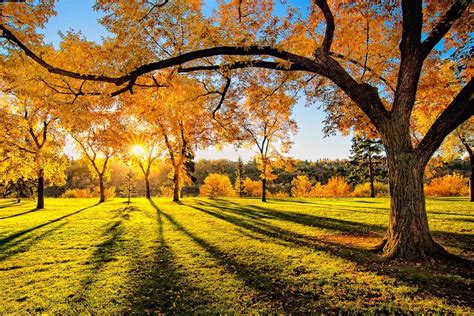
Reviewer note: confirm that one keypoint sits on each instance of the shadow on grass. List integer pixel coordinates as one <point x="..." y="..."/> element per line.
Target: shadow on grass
<point x="438" y="278"/>
<point x="265" y="279"/>
<point x="20" y="214"/>
<point x="8" y="239"/>
<point x="163" y="287"/>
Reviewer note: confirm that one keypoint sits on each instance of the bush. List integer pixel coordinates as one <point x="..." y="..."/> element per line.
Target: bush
<point x="166" y="191"/>
<point x="301" y="186"/>
<point x="216" y="185"/>
<point x="363" y="189"/>
<point x="336" y="187"/>
<point x="280" y="194"/>
<point x="85" y="193"/>
<point x="253" y="188"/>
<point x="449" y="185"/>
<point x="77" y="193"/>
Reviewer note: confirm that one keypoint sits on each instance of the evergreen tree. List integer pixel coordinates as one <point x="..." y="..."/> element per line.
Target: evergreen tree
<point x="128" y="187"/>
<point x="367" y="162"/>
<point x="239" y="181"/>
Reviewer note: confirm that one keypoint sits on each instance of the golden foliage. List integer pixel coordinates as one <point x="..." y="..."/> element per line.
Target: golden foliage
<point x="448" y="185"/>
<point x="216" y="185"/>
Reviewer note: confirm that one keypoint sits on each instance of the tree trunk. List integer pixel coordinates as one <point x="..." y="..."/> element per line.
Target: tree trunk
<point x="371" y="178"/>
<point x="408" y="235"/>
<point x="176" y="186"/>
<point x="101" y="189"/>
<point x="471" y="178"/>
<point x="147" y="187"/>
<point x="264" y="190"/>
<point x="40" y="202"/>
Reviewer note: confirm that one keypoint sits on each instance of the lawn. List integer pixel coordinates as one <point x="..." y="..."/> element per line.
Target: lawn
<point x="225" y="255"/>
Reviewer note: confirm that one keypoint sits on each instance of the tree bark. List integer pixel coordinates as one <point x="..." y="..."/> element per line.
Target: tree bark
<point x="176" y="186"/>
<point x="471" y="178"/>
<point x="147" y="187"/>
<point x="101" y="189"/>
<point x="408" y="235"/>
<point x="40" y="201"/>
<point x="264" y="190"/>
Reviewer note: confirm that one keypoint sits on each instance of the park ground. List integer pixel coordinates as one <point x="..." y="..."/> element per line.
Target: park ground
<point x="225" y="255"/>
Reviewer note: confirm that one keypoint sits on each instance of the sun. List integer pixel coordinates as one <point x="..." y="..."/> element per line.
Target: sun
<point x="138" y="150"/>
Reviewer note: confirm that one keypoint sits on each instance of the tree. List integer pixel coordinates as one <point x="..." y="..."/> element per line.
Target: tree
<point x="239" y="180"/>
<point x="301" y="186"/>
<point x="264" y="120"/>
<point x="98" y="142"/>
<point x="216" y="185"/>
<point x="366" y="162"/>
<point x="380" y="80"/>
<point x="128" y="186"/>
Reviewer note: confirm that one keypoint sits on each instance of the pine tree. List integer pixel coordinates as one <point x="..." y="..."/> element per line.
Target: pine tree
<point x="239" y="181"/>
<point x="367" y="162"/>
<point x="128" y="186"/>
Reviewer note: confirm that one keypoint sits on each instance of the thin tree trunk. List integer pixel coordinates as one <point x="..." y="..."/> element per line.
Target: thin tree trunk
<point x="147" y="187"/>
<point x="101" y="189"/>
<point x="371" y="178"/>
<point x="471" y="178"/>
<point x="264" y="190"/>
<point x="408" y="235"/>
<point x="176" y="186"/>
<point x="40" y="201"/>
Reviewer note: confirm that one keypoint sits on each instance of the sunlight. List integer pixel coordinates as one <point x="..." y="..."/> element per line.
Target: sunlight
<point x="138" y="150"/>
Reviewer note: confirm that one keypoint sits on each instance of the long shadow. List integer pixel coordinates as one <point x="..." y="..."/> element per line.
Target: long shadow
<point x="24" y="244"/>
<point x="163" y="288"/>
<point x="258" y="212"/>
<point x="19" y="214"/>
<point x="8" y="204"/>
<point x="8" y="239"/>
<point x="264" y="279"/>
<point x="436" y="279"/>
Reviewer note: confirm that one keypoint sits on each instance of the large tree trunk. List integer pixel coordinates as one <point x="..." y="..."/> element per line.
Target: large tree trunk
<point x="147" y="187"/>
<point x="264" y="190"/>
<point x="40" y="201"/>
<point x="101" y="189"/>
<point x="176" y="186"/>
<point x="408" y="235"/>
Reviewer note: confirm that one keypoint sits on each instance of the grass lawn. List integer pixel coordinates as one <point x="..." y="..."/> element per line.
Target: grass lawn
<point x="226" y="255"/>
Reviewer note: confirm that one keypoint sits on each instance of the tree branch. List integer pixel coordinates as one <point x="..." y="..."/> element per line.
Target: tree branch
<point x="460" y="109"/>
<point x="443" y="26"/>
<point x="329" y="33"/>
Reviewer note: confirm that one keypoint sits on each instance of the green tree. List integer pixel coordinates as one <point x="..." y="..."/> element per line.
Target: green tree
<point x="367" y="162"/>
<point x="239" y="180"/>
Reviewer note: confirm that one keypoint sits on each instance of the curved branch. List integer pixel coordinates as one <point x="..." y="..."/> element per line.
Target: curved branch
<point x="460" y="109"/>
<point x="329" y="33"/>
<point x="443" y="26"/>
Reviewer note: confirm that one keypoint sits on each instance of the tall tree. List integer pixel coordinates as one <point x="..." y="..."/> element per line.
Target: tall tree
<point x="375" y="52"/>
<point x="367" y="162"/>
<point x="239" y="180"/>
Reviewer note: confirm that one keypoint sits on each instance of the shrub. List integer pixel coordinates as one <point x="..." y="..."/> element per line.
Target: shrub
<point x="77" y="193"/>
<point x="363" y="189"/>
<point x="166" y="191"/>
<point x="449" y="185"/>
<point x="216" y="185"/>
<point x="280" y="194"/>
<point x="301" y="186"/>
<point x="336" y="187"/>
<point x="253" y="188"/>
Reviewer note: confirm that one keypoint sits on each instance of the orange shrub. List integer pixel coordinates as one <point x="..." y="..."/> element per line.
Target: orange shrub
<point x="77" y="194"/>
<point x="280" y="195"/>
<point x="301" y="186"/>
<point x="449" y="185"/>
<point x="363" y="189"/>
<point x="216" y="185"/>
<point x="166" y="191"/>
<point x="336" y="187"/>
<point x="253" y="188"/>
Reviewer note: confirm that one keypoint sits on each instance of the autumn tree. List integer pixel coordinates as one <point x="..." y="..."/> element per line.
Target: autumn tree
<point x="98" y="137"/>
<point x="373" y="53"/>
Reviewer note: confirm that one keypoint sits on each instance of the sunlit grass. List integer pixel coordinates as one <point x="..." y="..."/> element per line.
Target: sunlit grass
<point x="228" y="255"/>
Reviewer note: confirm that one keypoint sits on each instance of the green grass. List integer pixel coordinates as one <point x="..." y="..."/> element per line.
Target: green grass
<point x="226" y="255"/>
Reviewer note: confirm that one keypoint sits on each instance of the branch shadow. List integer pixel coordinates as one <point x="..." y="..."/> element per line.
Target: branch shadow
<point x="19" y="214"/>
<point x="439" y="278"/>
<point x="162" y="287"/>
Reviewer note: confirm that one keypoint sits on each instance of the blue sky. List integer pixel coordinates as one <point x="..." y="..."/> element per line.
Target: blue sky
<point x="309" y="143"/>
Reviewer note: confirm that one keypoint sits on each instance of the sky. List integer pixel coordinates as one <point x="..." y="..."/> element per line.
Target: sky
<point x="308" y="144"/>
